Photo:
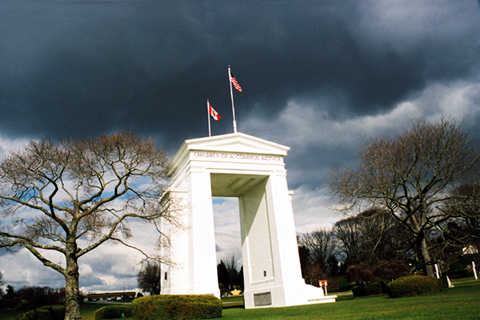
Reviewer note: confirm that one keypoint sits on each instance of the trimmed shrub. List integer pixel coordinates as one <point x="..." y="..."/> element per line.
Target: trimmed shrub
<point x="177" y="307"/>
<point x="368" y="289"/>
<point x="357" y="291"/>
<point x="344" y="285"/>
<point x="413" y="286"/>
<point x="44" y="313"/>
<point x="113" y="312"/>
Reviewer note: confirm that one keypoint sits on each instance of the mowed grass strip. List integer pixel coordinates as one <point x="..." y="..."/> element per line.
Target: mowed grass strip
<point x="230" y="302"/>
<point x="9" y="314"/>
<point x="460" y="302"/>
<point x="87" y="311"/>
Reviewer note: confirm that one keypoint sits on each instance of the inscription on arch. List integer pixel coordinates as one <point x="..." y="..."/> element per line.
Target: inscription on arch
<point x="235" y="156"/>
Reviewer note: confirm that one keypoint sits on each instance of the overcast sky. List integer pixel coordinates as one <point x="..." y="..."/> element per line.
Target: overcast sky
<point x="318" y="76"/>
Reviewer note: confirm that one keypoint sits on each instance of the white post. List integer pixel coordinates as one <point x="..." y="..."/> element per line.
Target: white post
<point x="323" y="284"/>
<point x="474" y="270"/>
<point x="233" y="105"/>
<point x="208" y="116"/>
<point x="436" y="271"/>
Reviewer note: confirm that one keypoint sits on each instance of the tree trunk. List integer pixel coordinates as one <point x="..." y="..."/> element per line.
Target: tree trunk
<point x="426" y="257"/>
<point x="72" y="290"/>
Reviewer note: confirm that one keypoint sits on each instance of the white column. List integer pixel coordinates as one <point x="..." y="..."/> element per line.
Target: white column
<point x="203" y="262"/>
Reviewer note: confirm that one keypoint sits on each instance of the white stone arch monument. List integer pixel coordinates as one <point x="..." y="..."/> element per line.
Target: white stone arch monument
<point x="252" y="169"/>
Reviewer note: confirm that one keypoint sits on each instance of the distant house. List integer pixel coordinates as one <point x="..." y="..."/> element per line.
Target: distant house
<point x="111" y="295"/>
<point x="469" y="250"/>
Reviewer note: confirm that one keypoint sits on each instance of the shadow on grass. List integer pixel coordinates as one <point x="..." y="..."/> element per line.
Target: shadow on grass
<point x="233" y="302"/>
<point x="345" y="297"/>
<point x="238" y="302"/>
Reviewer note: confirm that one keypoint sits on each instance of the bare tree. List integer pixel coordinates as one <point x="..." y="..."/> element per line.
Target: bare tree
<point x="53" y="195"/>
<point x="321" y="245"/>
<point x="461" y="233"/>
<point x="347" y="232"/>
<point x="465" y="229"/>
<point x="230" y="263"/>
<point x="314" y="273"/>
<point x="411" y="175"/>
<point x="371" y="236"/>
<point x="223" y="276"/>
<point x="382" y="236"/>
<point x="2" y="282"/>
<point x="148" y="277"/>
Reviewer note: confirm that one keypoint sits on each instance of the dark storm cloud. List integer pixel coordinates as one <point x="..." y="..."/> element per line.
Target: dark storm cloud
<point x="91" y="67"/>
<point x="308" y="166"/>
<point x="91" y="280"/>
<point x="318" y="76"/>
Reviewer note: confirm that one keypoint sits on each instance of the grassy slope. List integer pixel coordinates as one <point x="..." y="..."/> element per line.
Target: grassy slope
<point x="461" y="302"/>
<point x="86" y="310"/>
<point x="9" y="315"/>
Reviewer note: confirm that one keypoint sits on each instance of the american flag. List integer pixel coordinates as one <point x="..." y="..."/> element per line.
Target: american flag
<point x="235" y="82"/>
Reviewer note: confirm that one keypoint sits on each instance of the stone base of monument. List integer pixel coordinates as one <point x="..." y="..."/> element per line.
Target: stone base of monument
<point x="284" y="296"/>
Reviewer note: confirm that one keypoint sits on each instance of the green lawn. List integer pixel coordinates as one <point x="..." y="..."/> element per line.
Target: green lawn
<point x="9" y="315"/>
<point x="87" y="312"/>
<point x="461" y="302"/>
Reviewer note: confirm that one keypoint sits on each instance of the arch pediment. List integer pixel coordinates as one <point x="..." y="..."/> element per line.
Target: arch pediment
<point x="237" y="142"/>
<point x="229" y="143"/>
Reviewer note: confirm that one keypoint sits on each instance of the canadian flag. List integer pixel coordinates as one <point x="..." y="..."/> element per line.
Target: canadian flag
<point x="213" y="113"/>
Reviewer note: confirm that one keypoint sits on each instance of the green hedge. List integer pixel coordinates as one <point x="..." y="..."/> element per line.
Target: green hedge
<point x="413" y="286"/>
<point x="368" y="289"/>
<point x="344" y="285"/>
<point x="113" y="312"/>
<point x="44" y="313"/>
<point x="168" y="307"/>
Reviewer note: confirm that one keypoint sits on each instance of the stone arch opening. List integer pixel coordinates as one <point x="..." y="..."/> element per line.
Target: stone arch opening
<point x="255" y="231"/>
<point x="226" y="217"/>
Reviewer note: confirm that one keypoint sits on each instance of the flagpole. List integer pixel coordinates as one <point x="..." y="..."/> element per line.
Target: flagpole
<point x="233" y="105"/>
<point x="208" y="116"/>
